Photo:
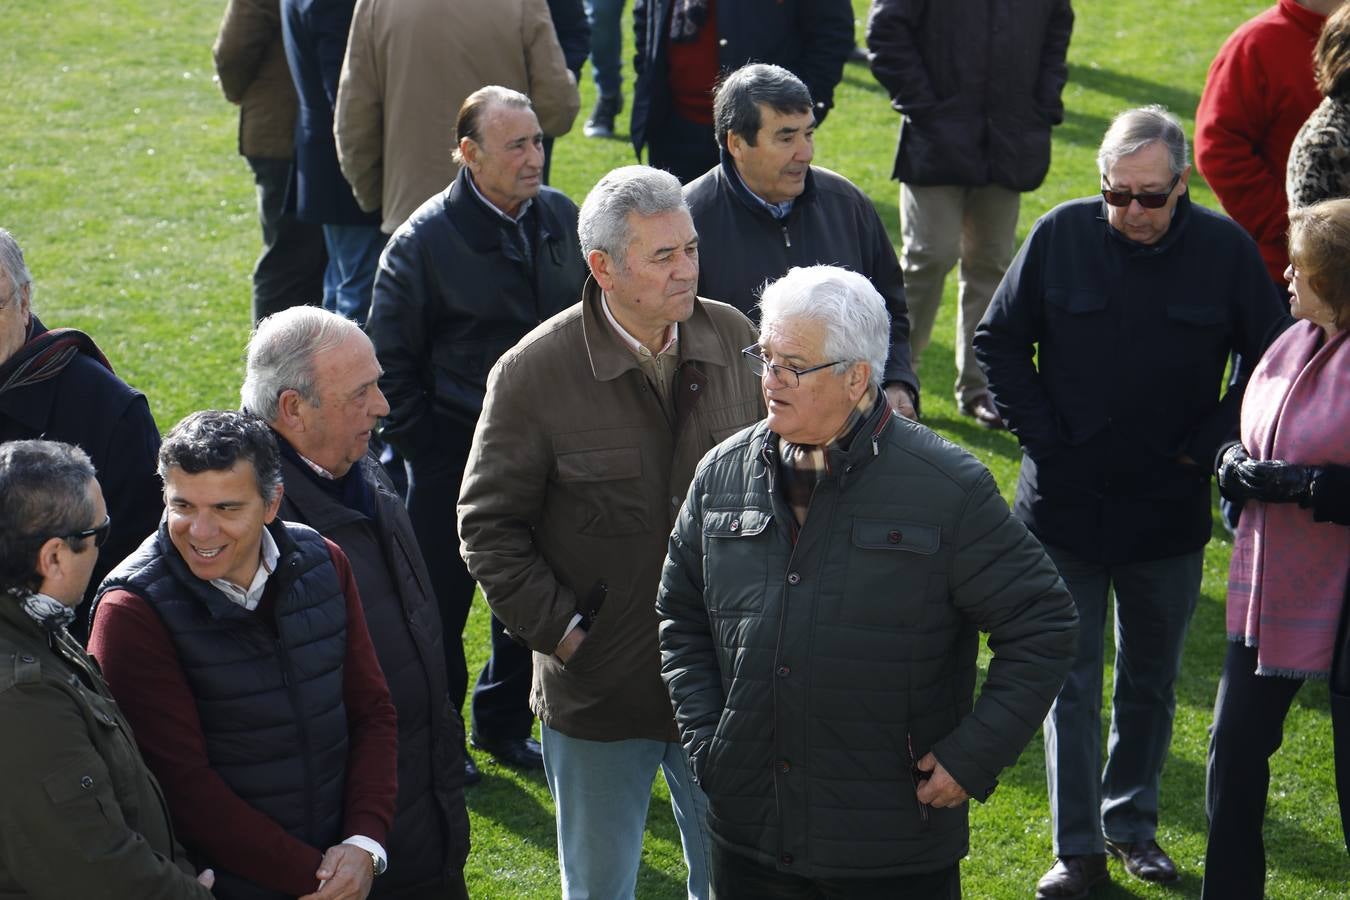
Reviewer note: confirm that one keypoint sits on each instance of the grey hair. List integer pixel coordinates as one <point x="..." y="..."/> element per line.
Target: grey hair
<point x="603" y="223"/>
<point x="738" y="98"/>
<point x="11" y="261"/>
<point x="281" y="354"/>
<point x="857" y="325"/>
<point x="1134" y="129"/>
<point x="46" y="489"/>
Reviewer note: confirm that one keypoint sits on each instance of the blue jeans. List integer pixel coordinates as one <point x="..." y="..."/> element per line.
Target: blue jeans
<point x="606" y="18"/>
<point x="353" y="256"/>
<point x="1154" y="603"/>
<point x="601" y="791"/>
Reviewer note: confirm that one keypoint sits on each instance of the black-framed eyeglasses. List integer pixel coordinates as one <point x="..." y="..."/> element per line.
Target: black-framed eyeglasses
<point x="99" y="533"/>
<point x="1147" y="201"/>
<point x="786" y="374"/>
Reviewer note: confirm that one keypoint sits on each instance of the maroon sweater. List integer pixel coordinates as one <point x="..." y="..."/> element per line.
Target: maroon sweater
<point x="141" y="666"/>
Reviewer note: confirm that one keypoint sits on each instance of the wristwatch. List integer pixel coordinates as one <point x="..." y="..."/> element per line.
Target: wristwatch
<point x="377" y="864"/>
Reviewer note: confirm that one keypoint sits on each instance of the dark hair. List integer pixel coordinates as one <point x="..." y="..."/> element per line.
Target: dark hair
<point x="1319" y="246"/>
<point x="45" y="486"/>
<point x="469" y="123"/>
<point x="736" y="103"/>
<point x="1331" y="56"/>
<point x="215" y="439"/>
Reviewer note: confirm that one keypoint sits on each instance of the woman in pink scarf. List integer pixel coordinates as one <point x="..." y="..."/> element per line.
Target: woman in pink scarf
<point x="1291" y="557"/>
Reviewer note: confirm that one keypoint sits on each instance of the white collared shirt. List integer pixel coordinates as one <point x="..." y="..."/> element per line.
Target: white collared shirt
<point x="249" y="598"/>
<point x="632" y="343"/>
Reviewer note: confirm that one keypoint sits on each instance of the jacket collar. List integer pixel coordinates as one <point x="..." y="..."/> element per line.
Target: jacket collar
<point x="1307" y="20"/>
<point x="734" y="185"/>
<point x="610" y="358"/>
<point x="1181" y="217"/>
<point x="842" y="462"/>
<point x="317" y="509"/>
<point x="31" y="406"/>
<point x="481" y="228"/>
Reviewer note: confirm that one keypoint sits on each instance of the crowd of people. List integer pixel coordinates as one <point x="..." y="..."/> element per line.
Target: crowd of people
<point x="674" y="435"/>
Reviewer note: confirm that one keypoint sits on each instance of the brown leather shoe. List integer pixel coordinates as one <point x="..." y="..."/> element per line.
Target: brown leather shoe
<point x="982" y="410"/>
<point x="1071" y="877"/>
<point x="1145" y="860"/>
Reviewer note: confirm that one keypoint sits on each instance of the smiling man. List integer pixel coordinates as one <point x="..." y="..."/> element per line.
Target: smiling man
<point x="313" y="376"/>
<point x="462" y="280"/>
<point x="765" y="209"/>
<point x="1106" y="346"/>
<point x="237" y="646"/>
<point x="590" y="432"/>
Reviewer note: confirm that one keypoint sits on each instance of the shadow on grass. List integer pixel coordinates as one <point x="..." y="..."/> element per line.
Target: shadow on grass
<point x="1132" y="90"/>
<point x="515" y="802"/>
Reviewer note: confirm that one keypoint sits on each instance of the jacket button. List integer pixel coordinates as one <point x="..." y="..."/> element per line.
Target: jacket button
<point x="786" y="859"/>
<point x="693" y="387"/>
<point x="893" y="537"/>
<point x="26" y="658"/>
<point x="784" y="766"/>
<point x="86" y="782"/>
<point x="794" y="578"/>
<point x="722" y="42"/>
<point x="784" y="671"/>
<point x="735" y="525"/>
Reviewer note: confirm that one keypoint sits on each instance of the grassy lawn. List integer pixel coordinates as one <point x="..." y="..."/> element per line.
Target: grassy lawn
<point x="119" y="175"/>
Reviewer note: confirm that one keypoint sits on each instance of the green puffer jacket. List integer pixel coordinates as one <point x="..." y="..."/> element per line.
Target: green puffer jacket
<point x="81" y="816"/>
<point x="808" y="678"/>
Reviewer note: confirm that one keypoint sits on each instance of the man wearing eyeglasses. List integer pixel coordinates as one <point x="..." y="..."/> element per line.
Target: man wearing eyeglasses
<point x="590" y="433"/>
<point x="57" y="384"/>
<point x="82" y="815"/>
<point x="1106" y="346"/>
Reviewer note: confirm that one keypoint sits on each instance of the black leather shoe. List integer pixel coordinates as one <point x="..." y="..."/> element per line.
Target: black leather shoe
<point x="523" y="753"/>
<point x="471" y="774"/>
<point x="982" y="410"/>
<point x="1072" y="877"/>
<point x="1145" y="860"/>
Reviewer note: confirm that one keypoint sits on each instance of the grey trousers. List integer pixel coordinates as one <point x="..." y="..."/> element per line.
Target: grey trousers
<point x="1154" y="603"/>
<point x="940" y="226"/>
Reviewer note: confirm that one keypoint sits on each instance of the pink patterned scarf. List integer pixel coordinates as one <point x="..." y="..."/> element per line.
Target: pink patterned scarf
<point x="1287" y="581"/>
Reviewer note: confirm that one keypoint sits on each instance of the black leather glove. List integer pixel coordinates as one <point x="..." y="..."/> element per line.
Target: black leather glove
<point x="1269" y="480"/>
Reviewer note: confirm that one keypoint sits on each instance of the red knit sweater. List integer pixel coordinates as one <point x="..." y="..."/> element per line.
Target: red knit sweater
<point x="1259" y="92"/>
<point x="139" y="663"/>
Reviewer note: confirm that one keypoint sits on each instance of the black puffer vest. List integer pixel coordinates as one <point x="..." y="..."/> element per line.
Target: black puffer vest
<point x="270" y="702"/>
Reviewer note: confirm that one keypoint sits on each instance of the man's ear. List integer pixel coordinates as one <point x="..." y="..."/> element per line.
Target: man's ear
<point x="468" y="151"/>
<point x="271" y="512"/>
<point x="603" y="268"/>
<point x="858" y="378"/>
<point x="289" y="418"/>
<point x="49" y="558"/>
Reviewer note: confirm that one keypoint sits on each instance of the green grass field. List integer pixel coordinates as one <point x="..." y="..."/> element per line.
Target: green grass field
<point x="119" y="175"/>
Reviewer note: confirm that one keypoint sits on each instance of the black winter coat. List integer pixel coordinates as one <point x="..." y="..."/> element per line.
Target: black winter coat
<point x="809" y="38"/>
<point x="89" y="406"/>
<point x="978" y="84"/>
<point x="832" y="223"/>
<point x="429" y="839"/>
<point x="453" y="294"/>
<point x="1131" y="342"/>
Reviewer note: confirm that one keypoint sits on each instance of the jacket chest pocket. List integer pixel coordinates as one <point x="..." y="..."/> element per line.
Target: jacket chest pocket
<point x="737" y="544"/>
<point x="891" y="567"/>
<point x="1194" y="337"/>
<point x="608" y="488"/>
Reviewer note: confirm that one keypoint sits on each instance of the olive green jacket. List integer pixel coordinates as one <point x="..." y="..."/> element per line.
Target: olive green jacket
<point x="574" y="480"/>
<point x="81" y="815"/>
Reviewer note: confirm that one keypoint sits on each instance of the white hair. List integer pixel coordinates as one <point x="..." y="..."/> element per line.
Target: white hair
<point x="857" y="325"/>
<point x="603" y="222"/>
<point x="281" y="354"/>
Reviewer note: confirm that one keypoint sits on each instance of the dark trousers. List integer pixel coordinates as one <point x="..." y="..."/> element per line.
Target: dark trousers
<point x="289" y="271"/>
<point x="737" y="877"/>
<point x="683" y="148"/>
<point x="501" y="697"/>
<point x="1248" y="728"/>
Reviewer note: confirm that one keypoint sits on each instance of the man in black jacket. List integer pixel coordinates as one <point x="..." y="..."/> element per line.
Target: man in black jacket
<point x="312" y="375"/>
<point x="59" y="386"/>
<point x="462" y="280"/>
<point x="978" y="84"/>
<point x="1132" y="302"/>
<point x="777" y="211"/>
<point x="682" y="48"/>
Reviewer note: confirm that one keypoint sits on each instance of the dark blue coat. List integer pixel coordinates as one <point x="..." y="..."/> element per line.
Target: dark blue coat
<point x="89" y="406"/>
<point x="315" y="35"/>
<point x="1131" y="343"/>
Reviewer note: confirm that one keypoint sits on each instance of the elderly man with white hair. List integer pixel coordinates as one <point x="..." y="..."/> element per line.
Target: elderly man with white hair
<point x="590" y="432"/>
<point x="820" y="606"/>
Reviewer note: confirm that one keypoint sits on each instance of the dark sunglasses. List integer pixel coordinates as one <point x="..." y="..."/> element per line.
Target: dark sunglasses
<point x="1147" y="201"/>
<point x="99" y="533"/>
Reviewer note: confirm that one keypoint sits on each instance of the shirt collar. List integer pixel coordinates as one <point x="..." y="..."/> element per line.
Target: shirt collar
<point x="632" y="343"/>
<point x="249" y="598"/>
<point x="777" y="210"/>
<point x="316" y="468"/>
<point x="514" y="220"/>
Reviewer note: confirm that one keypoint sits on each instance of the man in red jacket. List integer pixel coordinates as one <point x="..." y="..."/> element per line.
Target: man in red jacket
<point x="1258" y="93"/>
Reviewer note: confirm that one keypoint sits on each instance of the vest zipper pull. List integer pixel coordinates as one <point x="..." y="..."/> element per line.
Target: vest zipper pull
<point x="787" y="241"/>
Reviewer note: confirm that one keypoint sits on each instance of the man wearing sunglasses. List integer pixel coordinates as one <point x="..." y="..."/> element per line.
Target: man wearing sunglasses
<point x="72" y="778"/>
<point x="1106" y="346"/>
